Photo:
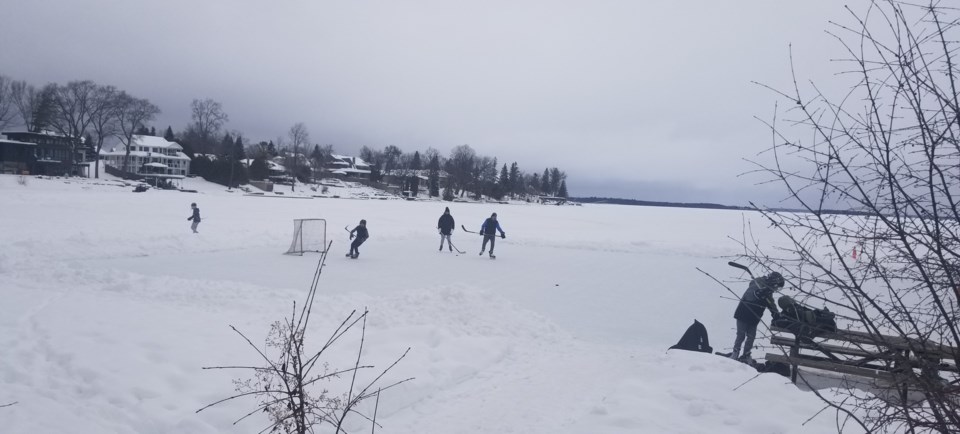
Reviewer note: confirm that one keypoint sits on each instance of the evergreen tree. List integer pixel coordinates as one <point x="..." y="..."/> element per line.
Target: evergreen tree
<point x="514" y="179"/>
<point x="545" y="183"/>
<point x="535" y="182"/>
<point x="556" y="176"/>
<point x="44" y="111"/>
<point x="226" y="146"/>
<point x="258" y="169"/>
<point x="563" y="189"/>
<point x="239" y="153"/>
<point x="520" y="187"/>
<point x="271" y="149"/>
<point x="153" y="131"/>
<point x="168" y="135"/>
<point x="142" y="131"/>
<point x="434" y="177"/>
<point x="504" y="181"/>
<point x="415" y="164"/>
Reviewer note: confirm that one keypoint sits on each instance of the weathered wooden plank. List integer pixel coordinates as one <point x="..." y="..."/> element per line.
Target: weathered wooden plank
<point x="892" y="342"/>
<point x="830" y="366"/>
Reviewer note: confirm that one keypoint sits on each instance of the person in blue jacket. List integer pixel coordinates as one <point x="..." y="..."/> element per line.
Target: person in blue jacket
<point x="489" y="230"/>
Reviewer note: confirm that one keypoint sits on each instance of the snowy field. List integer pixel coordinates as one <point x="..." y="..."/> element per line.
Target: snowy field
<point x="110" y="307"/>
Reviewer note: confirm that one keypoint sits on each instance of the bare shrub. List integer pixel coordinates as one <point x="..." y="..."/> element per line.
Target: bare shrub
<point x="291" y="385"/>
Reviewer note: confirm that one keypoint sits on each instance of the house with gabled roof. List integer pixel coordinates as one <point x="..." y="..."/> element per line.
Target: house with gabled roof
<point x="346" y="167"/>
<point x="150" y="157"/>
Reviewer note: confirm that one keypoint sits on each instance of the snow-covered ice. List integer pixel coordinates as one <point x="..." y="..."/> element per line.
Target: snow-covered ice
<point x="110" y="307"/>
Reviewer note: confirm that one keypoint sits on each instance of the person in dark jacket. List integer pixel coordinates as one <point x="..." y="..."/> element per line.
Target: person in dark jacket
<point x="361" y="235"/>
<point x="757" y="298"/>
<point x="446" y="225"/>
<point x="195" y="217"/>
<point x="489" y="230"/>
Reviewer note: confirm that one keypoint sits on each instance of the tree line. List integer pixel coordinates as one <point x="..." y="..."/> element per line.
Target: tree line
<point x="465" y="170"/>
<point x="91" y="114"/>
<point x="85" y="112"/>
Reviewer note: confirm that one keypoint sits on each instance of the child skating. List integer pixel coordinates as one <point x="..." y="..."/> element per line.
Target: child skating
<point x="195" y="217"/>
<point x="361" y="234"/>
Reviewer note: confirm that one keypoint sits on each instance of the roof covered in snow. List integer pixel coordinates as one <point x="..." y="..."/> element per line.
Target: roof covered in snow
<point x="155" y="142"/>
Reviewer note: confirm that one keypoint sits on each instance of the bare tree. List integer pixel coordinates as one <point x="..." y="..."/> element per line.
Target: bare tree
<point x="887" y="149"/>
<point x="293" y="386"/>
<point x="460" y="167"/>
<point x="73" y="112"/>
<point x="391" y="158"/>
<point x="104" y="104"/>
<point x="208" y="117"/>
<point x="299" y="136"/>
<point x="8" y="111"/>
<point x="132" y="113"/>
<point x="33" y="105"/>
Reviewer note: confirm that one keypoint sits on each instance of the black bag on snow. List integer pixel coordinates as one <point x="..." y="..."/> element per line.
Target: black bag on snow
<point x="775" y="367"/>
<point x="694" y="339"/>
<point x="803" y="320"/>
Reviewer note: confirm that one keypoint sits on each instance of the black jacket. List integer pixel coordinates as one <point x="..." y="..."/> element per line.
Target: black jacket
<point x="361" y="231"/>
<point x="757" y="297"/>
<point x="446" y="224"/>
<point x="196" y="215"/>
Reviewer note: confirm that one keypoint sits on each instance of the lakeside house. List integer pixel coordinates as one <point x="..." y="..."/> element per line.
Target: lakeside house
<point x="41" y="153"/>
<point x="345" y="167"/>
<point x="150" y="157"/>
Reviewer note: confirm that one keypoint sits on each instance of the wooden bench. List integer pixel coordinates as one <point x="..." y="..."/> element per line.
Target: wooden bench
<point x="880" y="357"/>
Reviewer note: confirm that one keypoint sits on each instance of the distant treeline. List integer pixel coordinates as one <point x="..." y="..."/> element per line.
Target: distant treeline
<point x="619" y="201"/>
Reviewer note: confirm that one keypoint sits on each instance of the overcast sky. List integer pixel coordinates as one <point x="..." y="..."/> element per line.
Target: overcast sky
<point x="635" y="99"/>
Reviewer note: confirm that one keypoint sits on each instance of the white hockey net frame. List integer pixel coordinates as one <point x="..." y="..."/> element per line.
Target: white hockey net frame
<point x="313" y="239"/>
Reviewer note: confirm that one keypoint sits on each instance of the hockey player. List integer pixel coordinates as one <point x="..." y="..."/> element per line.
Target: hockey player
<point x="489" y="230"/>
<point x="757" y="298"/>
<point x="361" y="235"/>
<point x="445" y="225"/>
<point x="195" y="217"/>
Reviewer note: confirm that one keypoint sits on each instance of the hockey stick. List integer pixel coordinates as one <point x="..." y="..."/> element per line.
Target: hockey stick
<point x="742" y="267"/>
<point x="478" y="233"/>
<point x="449" y="242"/>
<point x="455" y="248"/>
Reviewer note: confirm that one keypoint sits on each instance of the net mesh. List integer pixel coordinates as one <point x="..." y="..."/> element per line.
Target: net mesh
<point x="309" y="235"/>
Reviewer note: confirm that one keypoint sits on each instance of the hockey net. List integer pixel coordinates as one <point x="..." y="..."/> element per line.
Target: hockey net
<point x="309" y="235"/>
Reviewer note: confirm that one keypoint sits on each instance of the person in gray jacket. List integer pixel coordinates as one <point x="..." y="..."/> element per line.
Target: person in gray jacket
<point x="195" y="217"/>
<point x="757" y="298"/>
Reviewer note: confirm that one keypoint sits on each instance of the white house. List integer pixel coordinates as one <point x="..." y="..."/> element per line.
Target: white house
<point x="348" y="167"/>
<point x="150" y="156"/>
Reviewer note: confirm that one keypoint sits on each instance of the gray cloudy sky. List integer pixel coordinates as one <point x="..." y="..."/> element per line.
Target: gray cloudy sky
<point x="637" y="99"/>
